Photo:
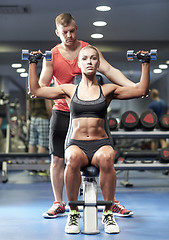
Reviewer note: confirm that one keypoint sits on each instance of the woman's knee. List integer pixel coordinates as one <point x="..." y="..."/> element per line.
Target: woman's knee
<point x="73" y="159"/>
<point x="105" y="161"/>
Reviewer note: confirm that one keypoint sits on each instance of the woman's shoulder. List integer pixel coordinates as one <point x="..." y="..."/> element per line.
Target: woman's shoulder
<point x="109" y="86"/>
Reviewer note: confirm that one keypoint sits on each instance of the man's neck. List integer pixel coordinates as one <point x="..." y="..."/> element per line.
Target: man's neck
<point x="72" y="47"/>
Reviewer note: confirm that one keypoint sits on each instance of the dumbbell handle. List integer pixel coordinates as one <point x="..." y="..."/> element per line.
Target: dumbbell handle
<point x="26" y="54"/>
<point x="131" y="54"/>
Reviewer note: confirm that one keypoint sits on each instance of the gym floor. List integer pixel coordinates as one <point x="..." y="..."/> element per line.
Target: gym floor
<point x="24" y="198"/>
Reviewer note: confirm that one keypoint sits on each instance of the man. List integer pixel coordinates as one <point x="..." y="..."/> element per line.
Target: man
<point x="39" y="124"/>
<point x="159" y="106"/>
<point x="63" y="68"/>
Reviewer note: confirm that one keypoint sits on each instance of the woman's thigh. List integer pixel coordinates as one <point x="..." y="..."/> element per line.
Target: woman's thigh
<point x="74" y="155"/>
<point x="103" y="154"/>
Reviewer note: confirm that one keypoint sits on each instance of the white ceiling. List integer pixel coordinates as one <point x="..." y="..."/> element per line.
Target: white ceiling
<point x="131" y="24"/>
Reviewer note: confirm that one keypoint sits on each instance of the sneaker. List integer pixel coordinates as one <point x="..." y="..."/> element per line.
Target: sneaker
<point x="73" y="222"/>
<point x="120" y="210"/>
<point x="57" y="210"/>
<point x="110" y="225"/>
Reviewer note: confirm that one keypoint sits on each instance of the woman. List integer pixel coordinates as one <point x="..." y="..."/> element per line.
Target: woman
<point x="89" y="142"/>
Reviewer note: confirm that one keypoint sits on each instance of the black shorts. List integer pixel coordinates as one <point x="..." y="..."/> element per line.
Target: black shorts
<point x="59" y="123"/>
<point x="90" y="147"/>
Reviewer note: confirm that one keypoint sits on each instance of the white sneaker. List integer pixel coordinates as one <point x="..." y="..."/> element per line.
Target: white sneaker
<point x="110" y="225"/>
<point x="73" y="222"/>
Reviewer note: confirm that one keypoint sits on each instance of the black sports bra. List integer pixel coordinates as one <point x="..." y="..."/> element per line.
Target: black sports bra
<point x="92" y="108"/>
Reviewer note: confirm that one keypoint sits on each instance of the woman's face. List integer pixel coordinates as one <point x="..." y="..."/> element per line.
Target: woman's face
<point x="88" y="60"/>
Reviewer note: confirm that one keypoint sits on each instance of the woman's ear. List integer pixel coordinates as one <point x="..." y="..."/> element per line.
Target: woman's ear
<point x="57" y="33"/>
<point x="79" y="64"/>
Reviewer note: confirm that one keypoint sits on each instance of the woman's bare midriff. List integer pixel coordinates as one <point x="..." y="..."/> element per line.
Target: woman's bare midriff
<point x="88" y="129"/>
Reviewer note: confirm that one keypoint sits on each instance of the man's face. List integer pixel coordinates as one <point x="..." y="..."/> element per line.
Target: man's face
<point x="67" y="34"/>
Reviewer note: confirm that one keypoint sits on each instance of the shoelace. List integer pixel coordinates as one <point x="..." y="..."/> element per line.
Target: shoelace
<point x="108" y="219"/>
<point x="120" y="206"/>
<point x="73" y="219"/>
<point x="54" y="206"/>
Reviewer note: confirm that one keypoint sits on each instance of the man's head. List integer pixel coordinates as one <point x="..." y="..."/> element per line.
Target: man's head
<point x="64" y="19"/>
<point x="154" y="94"/>
<point x="66" y="28"/>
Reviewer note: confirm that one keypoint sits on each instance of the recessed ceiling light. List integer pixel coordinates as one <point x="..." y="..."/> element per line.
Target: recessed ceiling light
<point x="163" y="66"/>
<point x="167" y="62"/>
<point x="21" y="70"/>
<point x="24" y="74"/>
<point x="103" y="8"/>
<point x="97" y="35"/>
<point x="157" y="70"/>
<point x="100" y="23"/>
<point x="16" y="65"/>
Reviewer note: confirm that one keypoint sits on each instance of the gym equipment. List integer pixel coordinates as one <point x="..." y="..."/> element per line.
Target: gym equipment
<point x="148" y="120"/>
<point x="90" y="203"/>
<point x="129" y="120"/>
<point x="131" y="55"/>
<point x="145" y="156"/>
<point x="112" y="124"/>
<point x="164" y="155"/>
<point x="26" y="55"/>
<point x="164" y="122"/>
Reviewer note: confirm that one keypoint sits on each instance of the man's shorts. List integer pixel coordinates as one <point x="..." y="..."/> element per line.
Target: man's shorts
<point x="39" y="132"/>
<point x="58" y="130"/>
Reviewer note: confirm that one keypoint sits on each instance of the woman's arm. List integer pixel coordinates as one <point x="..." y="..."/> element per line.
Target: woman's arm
<point x="44" y="92"/>
<point x="139" y="90"/>
<point x="112" y="91"/>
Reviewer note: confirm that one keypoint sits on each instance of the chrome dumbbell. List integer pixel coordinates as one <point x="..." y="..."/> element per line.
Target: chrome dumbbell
<point x="26" y="54"/>
<point x="131" y="55"/>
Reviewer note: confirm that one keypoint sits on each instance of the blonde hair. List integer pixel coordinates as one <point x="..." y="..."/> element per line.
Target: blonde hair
<point x="92" y="47"/>
<point x="64" y="19"/>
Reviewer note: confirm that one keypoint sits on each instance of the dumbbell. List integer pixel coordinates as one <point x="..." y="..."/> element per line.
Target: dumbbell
<point x="26" y="54"/>
<point x="112" y="123"/>
<point x="129" y="120"/>
<point x="131" y="55"/>
<point x="148" y="120"/>
<point x="164" y="155"/>
<point x="164" y="122"/>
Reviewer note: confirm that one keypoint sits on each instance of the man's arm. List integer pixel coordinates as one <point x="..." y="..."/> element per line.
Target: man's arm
<point x="113" y="74"/>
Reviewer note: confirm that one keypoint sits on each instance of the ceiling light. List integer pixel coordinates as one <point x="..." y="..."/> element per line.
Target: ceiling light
<point x="157" y="70"/>
<point x="167" y="62"/>
<point x="100" y="23"/>
<point x="97" y="35"/>
<point x="16" y="65"/>
<point x="163" y="66"/>
<point x="24" y="74"/>
<point x="21" y="70"/>
<point x="103" y="8"/>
